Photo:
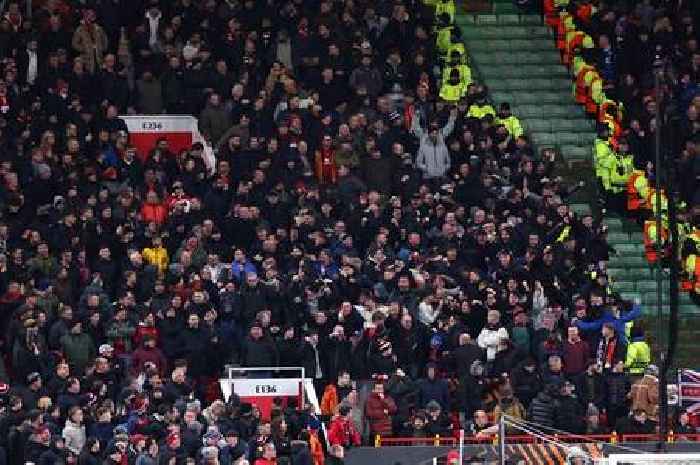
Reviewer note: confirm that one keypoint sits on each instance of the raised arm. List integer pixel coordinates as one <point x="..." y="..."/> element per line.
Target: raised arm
<point x="450" y="126"/>
<point x="416" y="129"/>
<point x="632" y="314"/>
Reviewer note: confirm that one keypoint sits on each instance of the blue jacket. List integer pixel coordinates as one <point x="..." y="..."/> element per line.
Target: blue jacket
<point x="238" y="270"/>
<point x="608" y="317"/>
<point x="436" y="390"/>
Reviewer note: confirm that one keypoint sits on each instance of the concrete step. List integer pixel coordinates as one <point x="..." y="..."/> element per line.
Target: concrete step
<point x="534" y="97"/>
<point x="503" y="19"/>
<point x="525" y="72"/>
<point x="516" y="59"/>
<point x="503" y="32"/>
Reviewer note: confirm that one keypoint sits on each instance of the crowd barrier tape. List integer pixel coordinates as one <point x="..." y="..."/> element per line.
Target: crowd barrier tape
<point x="612" y="438"/>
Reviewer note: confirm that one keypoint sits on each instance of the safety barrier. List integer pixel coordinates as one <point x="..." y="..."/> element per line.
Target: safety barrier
<point x="612" y="438"/>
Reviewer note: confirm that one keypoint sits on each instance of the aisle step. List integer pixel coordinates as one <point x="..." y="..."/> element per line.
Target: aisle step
<point x="525" y="84"/>
<point x="510" y="58"/>
<point x="533" y="97"/>
<point x="505" y="32"/>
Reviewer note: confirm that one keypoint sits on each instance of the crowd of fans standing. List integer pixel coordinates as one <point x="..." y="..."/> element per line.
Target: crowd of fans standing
<point x="415" y="254"/>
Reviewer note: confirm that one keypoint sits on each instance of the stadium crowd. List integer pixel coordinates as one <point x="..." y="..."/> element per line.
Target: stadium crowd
<point x="357" y="208"/>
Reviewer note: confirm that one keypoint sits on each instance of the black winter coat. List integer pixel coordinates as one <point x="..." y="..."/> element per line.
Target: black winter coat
<point x="568" y="414"/>
<point x="195" y="345"/>
<point x="541" y="411"/>
<point x="464" y="356"/>
<point x="616" y="386"/>
<point x="259" y="353"/>
<point x="526" y="385"/>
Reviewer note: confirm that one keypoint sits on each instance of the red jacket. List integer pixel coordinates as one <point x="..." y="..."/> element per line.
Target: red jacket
<point x="143" y="355"/>
<point x="342" y="432"/>
<point x="143" y="331"/>
<point x="326" y="170"/>
<point x="154" y="213"/>
<point x="378" y="412"/>
<point x="264" y="461"/>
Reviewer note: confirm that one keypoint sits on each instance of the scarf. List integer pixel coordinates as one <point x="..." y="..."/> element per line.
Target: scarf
<point x="153" y="23"/>
<point x="606" y="352"/>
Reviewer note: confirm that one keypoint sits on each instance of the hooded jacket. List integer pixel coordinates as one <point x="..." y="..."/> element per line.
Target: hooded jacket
<point x="74" y="435"/>
<point x="433" y="158"/>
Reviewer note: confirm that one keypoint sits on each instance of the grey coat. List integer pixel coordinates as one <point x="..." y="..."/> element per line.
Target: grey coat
<point x="433" y="158"/>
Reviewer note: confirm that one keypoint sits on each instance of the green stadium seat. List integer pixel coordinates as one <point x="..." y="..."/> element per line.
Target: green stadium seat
<point x="640" y="273"/>
<point x="618" y="274"/>
<point x="618" y="238"/>
<point x="508" y="19"/>
<point x="624" y="286"/>
<point x="543" y="139"/>
<point x="505" y="8"/>
<point x="580" y="208"/>
<point x="571" y="153"/>
<point x="499" y="97"/>
<point x="568" y="138"/>
<point x="630" y="295"/>
<point x="539" y="97"/>
<point x="486" y="20"/>
<point x="613" y="223"/>
<point x="646" y="287"/>
<point x="649" y="299"/>
<point x="531" y="111"/>
<point x="465" y="19"/>
<point x="628" y="249"/>
<point x="632" y="261"/>
<point x="688" y="309"/>
<point x="531" y="19"/>
<point x="566" y="125"/>
<point x="537" y="125"/>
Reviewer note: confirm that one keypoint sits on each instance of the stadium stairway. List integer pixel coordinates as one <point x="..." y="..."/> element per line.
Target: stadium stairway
<point x="516" y="57"/>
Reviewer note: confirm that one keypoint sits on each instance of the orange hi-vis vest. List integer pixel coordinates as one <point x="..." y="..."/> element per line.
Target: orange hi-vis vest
<point x="576" y="40"/>
<point x="591" y="105"/>
<point x="650" y="240"/>
<point x="581" y="83"/>
<point x="634" y="201"/>
<point x="692" y="282"/>
<point x="651" y="200"/>
<point x="615" y="130"/>
<point x="603" y="110"/>
<point x="566" y="23"/>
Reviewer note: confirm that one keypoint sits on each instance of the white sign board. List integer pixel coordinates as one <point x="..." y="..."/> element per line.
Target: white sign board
<point x="262" y="387"/>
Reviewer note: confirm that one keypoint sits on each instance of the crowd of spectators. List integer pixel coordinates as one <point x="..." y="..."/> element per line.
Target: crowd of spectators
<point x="414" y="256"/>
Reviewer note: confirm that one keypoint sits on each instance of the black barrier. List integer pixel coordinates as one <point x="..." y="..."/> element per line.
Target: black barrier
<point x="479" y="454"/>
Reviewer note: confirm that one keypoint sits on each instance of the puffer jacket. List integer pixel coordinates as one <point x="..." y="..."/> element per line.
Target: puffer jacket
<point x="526" y="384"/>
<point x="568" y="414"/>
<point x="541" y="410"/>
<point x="617" y="386"/>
